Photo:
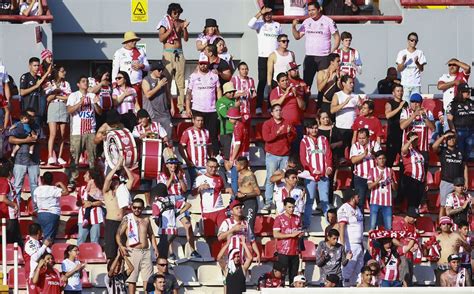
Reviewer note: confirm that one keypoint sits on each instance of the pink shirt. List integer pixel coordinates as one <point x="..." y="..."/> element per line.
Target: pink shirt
<point x="318" y="35"/>
<point x="128" y="102"/>
<point x="203" y="87"/>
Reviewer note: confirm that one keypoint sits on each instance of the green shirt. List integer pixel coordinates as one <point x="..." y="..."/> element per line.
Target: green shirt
<point x="222" y="106"/>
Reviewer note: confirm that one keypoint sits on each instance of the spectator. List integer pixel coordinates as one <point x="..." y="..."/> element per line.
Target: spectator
<point x="389" y="259"/>
<point x="278" y="176"/>
<point x="82" y="107"/>
<point x="273" y="279"/>
<point x="245" y="87"/>
<point x="125" y="99"/>
<point x="71" y="269"/>
<point x="137" y="229"/>
<point x="208" y="35"/>
<point x="223" y="54"/>
<point x="454" y="276"/>
<point x="6" y="93"/>
<point x="172" y="31"/>
<point x="210" y="186"/>
<point x="344" y="104"/>
<point x="366" y="277"/>
<point x="367" y="120"/>
<point x="133" y="61"/>
<point x="414" y="172"/>
<point x="57" y="92"/>
<point x="327" y="129"/>
<point x="279" y="60"/>
<point x="331" y="218"/>
<point x="410" y="64"/>
<point x="453" y="165"/>
<point x="448" y="82"/>
<point x="157" y="97"/>
<point x="194" y="147"/>
<point x="393" y="110"/>
<point x="439" y="128"/>
<point x="278" y="135"/>
<point x="465" y="250"/>
<point x="351" y="228"/>
<point x="159" y="285"/>
<point x="267" y="33"/>
<point x="331" y="256"/>
<point x="288" y="188"/>
<point x="318" y="29"/>
<point x="287" y="231"/>
<point x="23" y="130"/>
<point x="328" y="83"/>
<point x="362" y="157"/>
<point x="171" y="284"/>
<point x="90" y="201"/>
<point x="316" y="159"/>
<point x="148" y="129"/>
<point x="100" y="85"/>
<point x="24" y="161"/>
<point x="46" y="278"/>
<point x="31" y="88"/>
<point x="332" y="281"/>
<point x="340" y="7"/>
<point x="351" y="64"/>
<point x="47" y="199"/>
<point x="299" y="282"/>
<point x="33" y="251"/>
<point x="116" y="191"/>
<point x="386" y="85"/>
<point x="459" y="203"/>
<point x="223" y="105"/>
<point x="302" y="90"/>
<point x="461" y="120"/>
<point x="117" y="275"/>
<point x="217" y="65"/>
<point x="31" y="8"/>
<point x="9" y="204"/>
<point x="47" y="61"/>
<point x="233" y="270"/>
<point x="203" y="90"/>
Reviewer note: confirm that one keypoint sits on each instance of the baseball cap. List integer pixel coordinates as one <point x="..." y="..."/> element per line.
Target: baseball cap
<point x="235" y="203"/>
<point x="459" y="181"/>
<point x="142" y="113"/>
<point x="203" y="59"/>
<point x="445" y="220"/>
<point x="412" y="212"/>
<point x="299" y="278"/>
<point x="293" y="65"/>
<point x="463" y="88"/>
<point x="158" y="65"/>
<point x="159" y="190"/>
<point x="416" y="97"/>
<point x="332" y="278"/>
<point x="173" y="160"/>
<point x="453" y="257"/>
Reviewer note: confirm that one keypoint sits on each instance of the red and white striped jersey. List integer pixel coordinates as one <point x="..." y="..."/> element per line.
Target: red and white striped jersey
<point x="455" y="201"/>
<point x="382" y="195"/>
<point x="240" y="136"/>
<point x="316" y="155"/>
<point x="105" y="94"/>
<point x="211" y="199"/>
<point x="83" y="120"/>
<point x="7" y="191"/>
<point x="161" y="209"/>
<point x="228" y="224"/>
<point x="97" y="215"/>
<point x="350" y="62"/>
<point x="154" y="127"/>
<point x="281" y="193"/>
<point x="418" y="125"/>
<point x="464" y="254"/>
<point x="388" y="265"/>
<point x="362" y="168"/>
<point x="414" y="165"/>
<point x="246" y="85"/>
<point x="175" y="188"/>
<point x="32" y="252"/>
<point x="196" y="142"/>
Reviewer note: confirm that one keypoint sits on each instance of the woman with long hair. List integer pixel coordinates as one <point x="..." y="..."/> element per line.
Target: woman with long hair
<point x="125" y="99"/>
<point x="223" y="53"/>
<point x="71" y="269"/>
<point x="208" y="35"/>
<point x="46" y="278"/>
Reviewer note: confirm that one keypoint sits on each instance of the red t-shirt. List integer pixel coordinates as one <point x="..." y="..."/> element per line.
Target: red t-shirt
<point x="7" y="191"/>
<point x="371" y="123"/>
<point x="290" y="110"/>
<point x="287" y="225"/>
<point x="240" y="136"/>
<point x="50" y="282"/>
<point x="301" y="88"/>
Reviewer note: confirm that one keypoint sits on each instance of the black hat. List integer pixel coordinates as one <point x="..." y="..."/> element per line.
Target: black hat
<point x="158" y="65"/>
<point x="210" y="22"/>
<point x="412" y="212"/>
<point x="142" y="113"/>
<point x="459" y="181"/>
<point x="159" y="190"/>
<point x="463" y="88"/>
<point x="112" y="117"/>
<point x="279" y="267"/>
<point x="347" y="195"/>
<point x="332" y="278"/>
<point x="453" y="257"/>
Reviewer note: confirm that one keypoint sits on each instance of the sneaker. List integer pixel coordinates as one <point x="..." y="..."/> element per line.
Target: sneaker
<point x="195" y="254"/>
<point x="172" y="257"/>
<point x="267" y="207"/>
<point x="85" y="223"/>
<point x="51" y="161"/>
<point x="258" y="110"/>
<point x="61" y="161"/>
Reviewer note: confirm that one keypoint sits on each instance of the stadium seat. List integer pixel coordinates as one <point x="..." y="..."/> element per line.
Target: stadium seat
<point x="58" y="251"/>
<point x="186" y="275"/>
<point x="24" y="227"/>
<point x="257" y="156"/>
<point x="263" y="226"/>
<point x="202" y="248"/>
<point x="434" y="105"/>
<point x="261" y="176"/>
<point x="258" y="131"/>
<point x="10" y="255"/>
<point x="309" y="253"/>
<point x="425" y="223"/>
<point x="21" y="278"/>
<point x="177" y="249"/>
<point x="210" y="275"/>
<point x="180" y="128"/>
<point x="269" y="251"/>
<point x="91" y="253"/>
<point x="433" y="158"/>
<point x="86" y="282"/>
<point x="379" y="110"/>
<point x="312" y="274"/>
<point x="71" y="229"/>
<point x="59" y="176"/>
<point x="68" y="205"/>
<point x="97" y="276"/>
<point x="257" y="271"/>
<point x="343" y="179"/>
<point x="383" y="138"/>
<point x="26" y="185"/>
<point x="24" y="211"/>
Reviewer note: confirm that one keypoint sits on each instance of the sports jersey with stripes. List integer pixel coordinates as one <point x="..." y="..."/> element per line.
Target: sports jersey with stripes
<point x="7" y="191"/>
<point x="227" y="225"/>
<point x="154" y="127"/>
<point x="414" y="164"/>
<point x="240" y="136"/>
<point x="105" y="94"/>
<point x="316" y="155"/>
<point x="167" y="216"/>
<point x="350" y="62"/>
<point x="418" y="125"/>
<point x="175" y="187"/>
<point x="382" y="194"/>
<point x="96" y="215"/>
<point x="211" y="198"/>
<point x="389" y="265"/>
<point x="281" y="193"/>
<point x="246" y="85"/>
<point x="362" y="168"/>
<point x="83" y="120"/>
<point x="196" y="142"/>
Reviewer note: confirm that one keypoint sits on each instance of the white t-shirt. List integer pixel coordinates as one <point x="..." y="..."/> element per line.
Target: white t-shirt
<point x="211" y="199"/>
<point x="267" y="34"/>
<point x="47" y="198"/>
<point x="83" y="120"/>
<point x="354" y="220"/>
<point x="280" y="193"/>
<point x="294" y="7"/>
<point x="346" y="116"/>
<point x="3" y="77"/>
<point x="411" y="75"/>
<point x="74" y="282"/>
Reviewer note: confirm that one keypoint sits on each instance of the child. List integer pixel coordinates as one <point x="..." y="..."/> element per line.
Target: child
<point x="465" y="248"/>
<point x="71" y="269"/>
<point x="458" y="203"/>
<point x="367" y="120"/>
<point x="117" y="275"/>
<point x="245" y="87"/>
<point x="350" y="58"/>
<point x="365" y="277"/>
<point x="23" y="131"/>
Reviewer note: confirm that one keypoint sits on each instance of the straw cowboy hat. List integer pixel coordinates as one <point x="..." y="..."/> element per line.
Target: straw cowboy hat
<point x="130" y="36"/>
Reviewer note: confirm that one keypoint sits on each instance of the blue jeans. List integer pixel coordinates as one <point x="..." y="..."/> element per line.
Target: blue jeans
<point x="49" y="224"/>
<point x="361" y="188"/>
<point x="408" y="90"/>
<point x="234" y="180"/>
<point x="84" y="232"/>
<point x="386" y="283"/>
<point x="323" y="189"/>
<point x="386" y="212"/>
<point x="465" y="140"/>
<point x="273" y="163"/>
<point x="295" y="145"/>
<point x="19" y="172"/>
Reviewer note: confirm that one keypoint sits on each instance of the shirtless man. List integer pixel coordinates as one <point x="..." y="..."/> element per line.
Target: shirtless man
<point x="455" y="276"/>
<point x="248" y="191"/>
<point x="138" y="232"/>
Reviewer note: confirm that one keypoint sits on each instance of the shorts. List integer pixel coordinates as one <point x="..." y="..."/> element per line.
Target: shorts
<point x="142" y="263"/>
<point x="111" y="246"/>
<point x="445" y="188"/>
<point x="212" y="221"/>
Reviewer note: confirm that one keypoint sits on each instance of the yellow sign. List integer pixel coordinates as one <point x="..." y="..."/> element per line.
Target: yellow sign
<point x="139" y="11"/>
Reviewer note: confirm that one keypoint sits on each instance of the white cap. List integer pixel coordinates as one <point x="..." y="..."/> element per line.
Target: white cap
<point x="203" y="59"/>
<point x="299" y="278"/>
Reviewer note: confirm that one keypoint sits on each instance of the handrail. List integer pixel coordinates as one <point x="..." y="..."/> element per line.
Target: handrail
<point x="22" y="18"/>
<point x="409" y="3"/>
<point x="343" y="18"/>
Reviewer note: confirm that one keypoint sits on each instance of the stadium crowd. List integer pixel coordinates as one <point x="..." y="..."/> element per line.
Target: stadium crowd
<point x="302" y="157"/>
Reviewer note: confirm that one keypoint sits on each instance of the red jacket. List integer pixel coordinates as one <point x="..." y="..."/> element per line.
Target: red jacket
<point x="277" y="144"/>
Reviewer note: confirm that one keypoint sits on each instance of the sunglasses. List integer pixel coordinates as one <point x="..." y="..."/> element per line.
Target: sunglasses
<point x="285" y="41"/>
<point x="118" y="78"/>
<point x="162" y="264"/>
<point x="413" y="40"/>
<point x="452" y="64"/>
<point x="137" y="207"/>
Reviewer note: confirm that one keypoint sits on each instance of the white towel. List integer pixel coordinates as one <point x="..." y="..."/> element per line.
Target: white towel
<point x="133" y="236"/>
<point x="231" y="265"/>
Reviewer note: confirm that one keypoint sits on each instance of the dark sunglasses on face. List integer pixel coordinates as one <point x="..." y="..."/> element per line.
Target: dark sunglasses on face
<point x="413" y="40"/>
<point x="162" y="264"/>
<point x="118" y="78"/>
<point x="285" y="41"/>
<point x="137" y="207"/>
<point x="451" y="64"/>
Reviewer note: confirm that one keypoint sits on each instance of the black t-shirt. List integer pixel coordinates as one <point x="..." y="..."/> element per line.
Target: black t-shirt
<point x="463" y="113"/>
<point x="27" y="81"/>
<point x="452" y="164"/>
<point x="170" y="283"/>
<point x="393" y="123"/>
<point x="385" y="86"/>
<point x="220" y="65"/>
<point x="235" y="283"/>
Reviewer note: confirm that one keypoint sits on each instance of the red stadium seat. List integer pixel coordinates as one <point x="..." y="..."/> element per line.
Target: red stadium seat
<point x="434" y="105"/>
<point x="425" y="223"/>
<point x="383" y="138"/>
<point x="433" y="202"/>
<point x="437" y="177"/>
<point x="379" y="109"/>
<point x="85" y="280"/>
<point x="309" y="253"/>
<point x="59" y="176"/>
<point x="434" y="158"/>
<point x="397" y="223"/>
<point x="430" y="181"/>
<point x="91" y="253"/>
<point x="343" y="179"/>
<point x="58" y="251"/>
<point x="180" y="128"/>
<point x="10" y="255"/>
<point x="258" y="131"/>
<point x="24" y="227"/>
<point x="24" y="211"/>
<point x="263" y="225"/>
<point x="69" y="205"/>
<point x="311" y="109"/>
<point x="269" y="251"/>
<point x="26" y="184"/>
<point x="21" y="278"/>
<point x="15" y="108"/>
<point x="71" y="229"/>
